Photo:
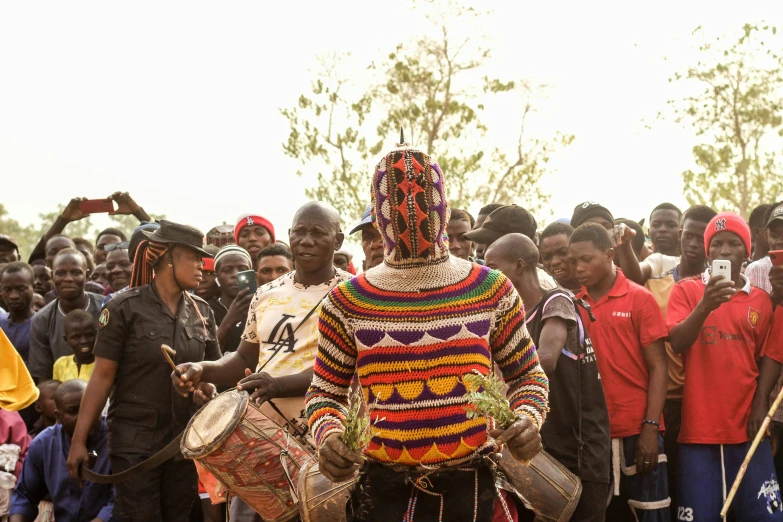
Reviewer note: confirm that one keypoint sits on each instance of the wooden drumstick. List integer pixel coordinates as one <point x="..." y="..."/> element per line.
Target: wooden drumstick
<point x="751" y="451"/>
<point x="168" y="352"/>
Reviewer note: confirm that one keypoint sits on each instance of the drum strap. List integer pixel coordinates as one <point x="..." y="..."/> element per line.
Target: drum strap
<point x="171" y="449"/>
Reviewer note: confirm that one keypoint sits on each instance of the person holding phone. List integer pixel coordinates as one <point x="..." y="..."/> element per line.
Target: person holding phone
<point x="232" y="303"/>
<point x="79" y="208"/>
<point x="720" y="324"/>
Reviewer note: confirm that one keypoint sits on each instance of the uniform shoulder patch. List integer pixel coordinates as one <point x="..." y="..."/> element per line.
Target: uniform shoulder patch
<point x="103" y="319"/>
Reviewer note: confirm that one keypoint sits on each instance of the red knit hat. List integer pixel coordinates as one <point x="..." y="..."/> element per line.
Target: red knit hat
<point x="731" y="222"/>
<point x="246" y="220"/>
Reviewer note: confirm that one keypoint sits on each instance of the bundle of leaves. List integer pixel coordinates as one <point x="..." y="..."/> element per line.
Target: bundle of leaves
<point x="487" y="398"/>
<point x="356" y="426"/>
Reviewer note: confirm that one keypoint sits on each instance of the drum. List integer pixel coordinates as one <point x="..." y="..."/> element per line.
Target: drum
<point x="253" y="456"/>
<point x="321" y="500"/>
<point x="545" y="486"/>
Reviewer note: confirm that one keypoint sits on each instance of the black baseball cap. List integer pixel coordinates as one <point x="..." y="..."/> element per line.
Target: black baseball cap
<point x="505" y="220"/>
<point x="588" y="209"/>
<point x="8" y="240"/>
<point x="775" y="215"/>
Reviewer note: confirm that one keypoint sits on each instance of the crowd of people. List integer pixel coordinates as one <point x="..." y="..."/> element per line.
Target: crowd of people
<point x="626" y="358"/>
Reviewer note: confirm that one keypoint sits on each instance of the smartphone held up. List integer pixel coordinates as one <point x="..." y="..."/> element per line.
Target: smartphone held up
<point x="722" y="267"/>
<point x="96" y="206"/>
<point x="247" y="279"/>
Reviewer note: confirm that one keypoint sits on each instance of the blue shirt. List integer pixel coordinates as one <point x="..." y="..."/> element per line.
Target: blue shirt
<point x="18" y="334"/>
<point x="45" y="472"/>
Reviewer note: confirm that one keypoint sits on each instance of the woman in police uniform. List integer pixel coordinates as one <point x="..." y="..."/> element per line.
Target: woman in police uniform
<point x="144" y="413"/>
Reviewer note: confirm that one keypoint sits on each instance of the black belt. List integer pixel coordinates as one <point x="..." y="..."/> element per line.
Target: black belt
<point x="171" y="449"/>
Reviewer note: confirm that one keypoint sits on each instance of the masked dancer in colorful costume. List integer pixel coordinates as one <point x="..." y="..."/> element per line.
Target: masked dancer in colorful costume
<point x="410" y="329"/>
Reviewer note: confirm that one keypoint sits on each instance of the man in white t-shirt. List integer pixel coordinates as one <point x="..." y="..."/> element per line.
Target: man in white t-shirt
<point x="275" y="358"/>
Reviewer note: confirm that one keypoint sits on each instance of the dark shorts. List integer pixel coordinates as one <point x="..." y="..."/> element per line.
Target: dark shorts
<point x="164" y="494"/>
<point x="707" y="470"/>
<point x="642" y="498"/>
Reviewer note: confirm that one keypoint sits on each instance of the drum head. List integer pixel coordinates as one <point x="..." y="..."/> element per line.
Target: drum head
<point x="213" y="423"/>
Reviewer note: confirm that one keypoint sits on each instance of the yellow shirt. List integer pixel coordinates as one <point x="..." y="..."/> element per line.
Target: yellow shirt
<point x="65" y="369"/>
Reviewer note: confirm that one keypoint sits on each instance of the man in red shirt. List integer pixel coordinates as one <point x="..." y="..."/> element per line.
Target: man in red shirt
<point x="722" y="328"/>
<point x="628" y="335"/>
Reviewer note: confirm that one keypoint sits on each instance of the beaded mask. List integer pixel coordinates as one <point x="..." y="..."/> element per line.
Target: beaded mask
<point x="411" y="210"/>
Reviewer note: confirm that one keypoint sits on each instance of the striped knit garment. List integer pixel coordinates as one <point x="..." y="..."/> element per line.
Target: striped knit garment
<point x="410" y="349"/>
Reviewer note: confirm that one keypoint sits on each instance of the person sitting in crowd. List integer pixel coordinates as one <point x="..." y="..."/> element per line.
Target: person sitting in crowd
<point x="372" y="243"/>
<point x="231" y="305"/>
<point x="757" y="221"/>
<point x="47" y="339"/>
<point x="720" y="326"/>
<point x="254" y="233"/>
<point x="484" y="212"/>
<point x="554" y="256"/>
<point x="628" y="338"/>
<point x="45" y="473"/>
<point x="576" y="431"/>
<point x="273" y="262"/>
<point x="43" y="283"/>
<point x="45" y="406"/>
<point x="460" y="223"/>
<point x="16" y="289"/>
<point x="80" y="330"/>
<point x="144" y="413"/>
<point x="665" y="221"/>
<point x="280" y="336"/>
<point x="344" y="261"/>
<point x="509" y="219"/>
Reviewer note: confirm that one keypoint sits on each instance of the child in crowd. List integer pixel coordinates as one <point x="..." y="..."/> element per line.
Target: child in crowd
<point x="80" y="331"/>
<point x="45" y="407"/>
<point x="45" y="474"/>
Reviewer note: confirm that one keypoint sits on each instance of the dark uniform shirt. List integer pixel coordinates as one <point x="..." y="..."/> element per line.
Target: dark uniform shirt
<point x="145" y="412"/>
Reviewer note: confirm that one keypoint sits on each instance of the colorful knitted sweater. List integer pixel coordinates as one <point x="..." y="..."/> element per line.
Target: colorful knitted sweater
<point x="410" y="349"/>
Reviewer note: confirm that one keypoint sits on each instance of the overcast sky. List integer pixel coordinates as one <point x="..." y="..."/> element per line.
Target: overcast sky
<point x="177" y="102"/>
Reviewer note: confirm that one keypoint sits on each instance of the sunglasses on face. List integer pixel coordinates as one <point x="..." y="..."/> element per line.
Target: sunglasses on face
<point x="114" y="246"/>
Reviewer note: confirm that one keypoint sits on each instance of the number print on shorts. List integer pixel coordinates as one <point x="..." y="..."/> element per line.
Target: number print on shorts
<point x="685" y="513"/>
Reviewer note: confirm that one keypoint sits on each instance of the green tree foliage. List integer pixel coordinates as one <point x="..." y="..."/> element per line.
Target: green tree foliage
<point x="25" y="236"/>
<point x="737" y="114"/>
<point x="434" y="88"/>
